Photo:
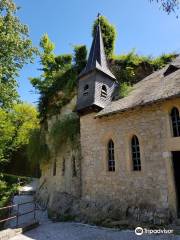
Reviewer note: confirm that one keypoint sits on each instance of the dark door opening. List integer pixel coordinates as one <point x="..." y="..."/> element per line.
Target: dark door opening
<point x="176" y="165"/>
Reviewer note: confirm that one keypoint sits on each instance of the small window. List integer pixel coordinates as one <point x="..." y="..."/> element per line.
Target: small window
<point x="103" y="91"/>
<point x="170" y="70"/>
<point x="54" y="167"/>
<point x="111" y="159"/>
<point x="136" y="159"/>
<point x="86" y="90"/>
<point x="63" y="167"/>
<point x="175" y="122"/>
<point x="74" y="173"/>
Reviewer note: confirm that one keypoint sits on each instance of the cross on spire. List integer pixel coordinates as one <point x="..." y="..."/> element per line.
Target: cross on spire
<point x="98" y="17"/>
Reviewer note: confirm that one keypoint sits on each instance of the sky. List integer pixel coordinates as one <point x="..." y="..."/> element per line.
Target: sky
<point x="140" y="25"/>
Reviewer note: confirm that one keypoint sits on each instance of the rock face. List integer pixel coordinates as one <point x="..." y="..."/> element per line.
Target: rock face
<point x="61" y="174"/>
<point x="67" y="207"/>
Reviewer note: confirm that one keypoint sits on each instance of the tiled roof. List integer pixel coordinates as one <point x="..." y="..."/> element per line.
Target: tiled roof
<point x="155" y="87"/>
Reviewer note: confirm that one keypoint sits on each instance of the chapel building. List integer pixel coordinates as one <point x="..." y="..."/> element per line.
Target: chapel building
<point x="131" y="146"/>
<point x="127" y="165"/>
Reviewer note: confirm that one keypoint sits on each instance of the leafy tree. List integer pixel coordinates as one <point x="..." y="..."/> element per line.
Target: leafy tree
<point x="80" y="57"/>
<point x="108" y="34"/>
<point x="168" y="5"/>
<point x="52" y="66"/>
<point x="7" y="130"/>
<point x="15" y="50"/>
<point x="57" y="83"/>
<point x="15" y="128"/>
<point x="25" y="118"/>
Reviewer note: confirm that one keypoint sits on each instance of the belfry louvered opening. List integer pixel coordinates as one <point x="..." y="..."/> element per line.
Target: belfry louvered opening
<point x="104" y="91"/>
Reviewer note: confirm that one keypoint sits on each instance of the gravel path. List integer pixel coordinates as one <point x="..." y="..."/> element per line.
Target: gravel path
<point x="76" y="231"/>
<point x="27" y="195"/>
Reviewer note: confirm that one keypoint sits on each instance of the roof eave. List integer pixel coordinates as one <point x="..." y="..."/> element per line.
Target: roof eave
<point x="136" y="106"/>
<point x="98" y="70"/>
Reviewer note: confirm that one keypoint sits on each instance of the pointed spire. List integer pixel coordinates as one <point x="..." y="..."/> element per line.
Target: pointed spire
<point x="97" y="58"/>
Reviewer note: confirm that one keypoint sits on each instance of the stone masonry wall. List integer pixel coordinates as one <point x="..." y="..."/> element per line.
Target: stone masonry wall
<point x="151" y="189"/>
<point x="98" y="196"/>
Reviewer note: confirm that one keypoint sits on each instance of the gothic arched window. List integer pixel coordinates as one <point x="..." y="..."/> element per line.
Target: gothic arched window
<point x="74" y="172"/>
<point x="111" y="159"/>
<point x="63" y="166"/>
<point x="136" y="158"/>
<point x="54" y="167"/>
<point x="86" y="90"/>
<point x="103" y="91"/>
<point x="175" y="122"/>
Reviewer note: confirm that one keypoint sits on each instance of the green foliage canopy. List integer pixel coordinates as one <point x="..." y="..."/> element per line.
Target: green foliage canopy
<point x="15" y="50"/>
<point x="80" y="57"/>
<point x="57" y="83"/>
<point x="25" y="118"/>
<point x="15" y="128"/>
<point x="7" y="130"/>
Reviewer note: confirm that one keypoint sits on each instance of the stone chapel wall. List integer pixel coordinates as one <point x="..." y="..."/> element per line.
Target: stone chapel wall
<point x="151" y="189"/>
<point x="96" y="195"/>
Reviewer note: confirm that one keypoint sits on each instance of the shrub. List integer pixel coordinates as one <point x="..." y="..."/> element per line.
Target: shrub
<point x="125" y="89"/>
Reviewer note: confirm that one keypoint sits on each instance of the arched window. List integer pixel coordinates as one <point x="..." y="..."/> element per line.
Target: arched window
<point x="86" y="90"/>
<point x="175" y="122"/>
<point x="54" y="167"/>
<point x="103" y="91"/>
<point x="111" y="160"/>
<point x="74" y="173"/>
<point x="136" y="158"/>
<point x="63" y="166"/>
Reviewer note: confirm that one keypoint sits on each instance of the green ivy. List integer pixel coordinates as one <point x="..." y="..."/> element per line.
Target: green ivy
<point x="66" y="129"/>
<point x="38" y="150"/>
<point x="131" y="67"/>
<point x="125" y="89"/>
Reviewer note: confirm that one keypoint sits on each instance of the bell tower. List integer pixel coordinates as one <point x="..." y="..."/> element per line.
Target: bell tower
<point x="96" y="83"/>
